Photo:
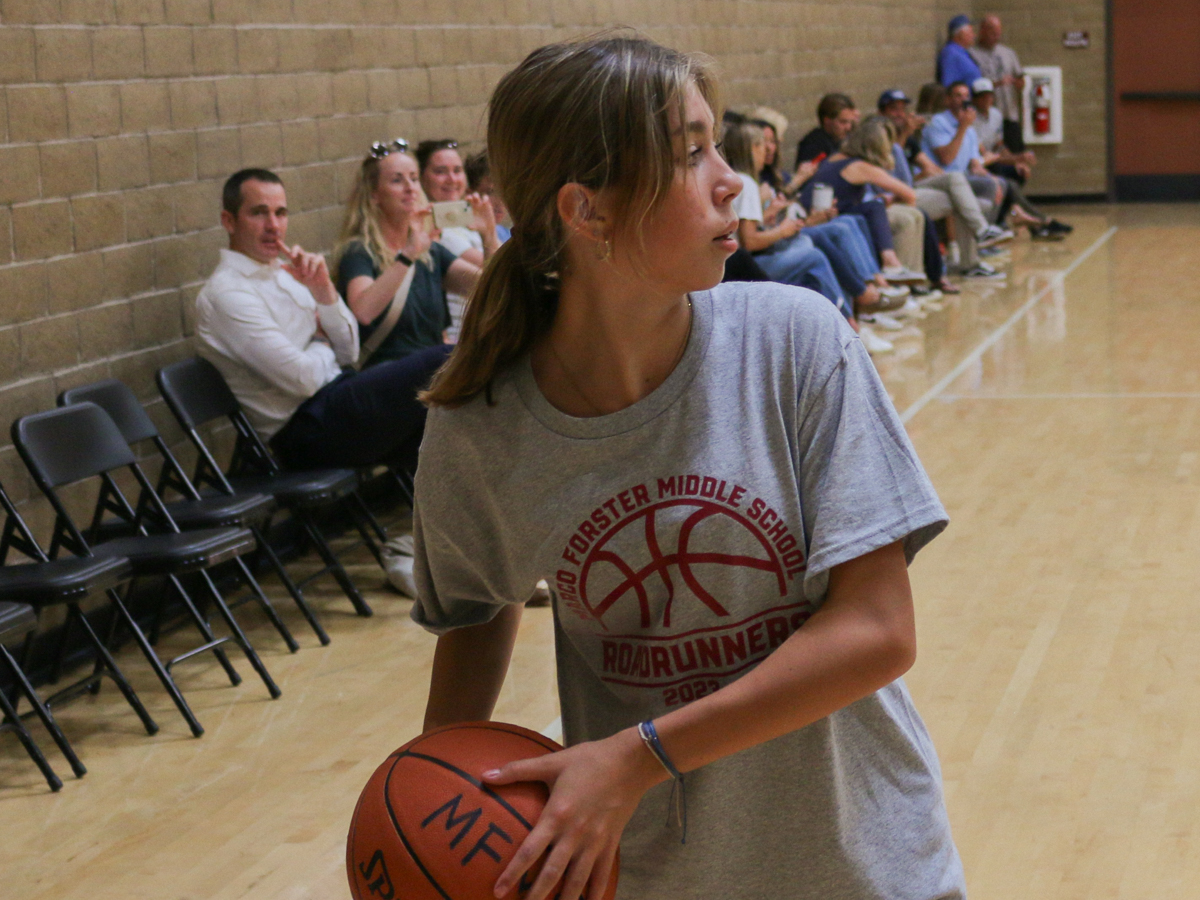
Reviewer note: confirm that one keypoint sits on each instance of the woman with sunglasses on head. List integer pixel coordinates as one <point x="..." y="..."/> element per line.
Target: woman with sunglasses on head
<point x="388" y="267"/>
<point x="717" y="488"/>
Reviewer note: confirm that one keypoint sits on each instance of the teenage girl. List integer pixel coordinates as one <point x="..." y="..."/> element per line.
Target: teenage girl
<point x="716" y="487"/>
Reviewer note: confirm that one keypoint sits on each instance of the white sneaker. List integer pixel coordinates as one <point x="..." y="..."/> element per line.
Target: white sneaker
<point x="982" y="271"/>
<point x="901" y="275"/>
<point x="993" y="235"/>
<point x="872" y="342"/>
<point x="910" y="310"/>
<point x="881" y="320"/>
<point x="398" y="564"/>
<point x="893" y="290"/>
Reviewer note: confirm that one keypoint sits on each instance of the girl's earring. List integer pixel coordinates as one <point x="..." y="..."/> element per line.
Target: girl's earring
<point x="604" y="250"/>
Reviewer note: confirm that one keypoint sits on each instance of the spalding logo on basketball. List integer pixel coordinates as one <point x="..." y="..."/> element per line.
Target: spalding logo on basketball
<point x="426" y="827"/>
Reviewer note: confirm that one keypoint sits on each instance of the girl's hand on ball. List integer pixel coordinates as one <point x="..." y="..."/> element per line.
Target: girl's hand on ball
<point x="594" y="789"/>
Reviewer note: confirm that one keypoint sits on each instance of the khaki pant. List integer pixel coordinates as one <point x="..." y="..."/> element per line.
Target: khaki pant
<point x="908" y="234"/>
<point x="950" y="194"/>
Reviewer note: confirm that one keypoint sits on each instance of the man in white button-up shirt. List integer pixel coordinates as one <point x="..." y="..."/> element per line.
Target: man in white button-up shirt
<point x="270" y="319"/>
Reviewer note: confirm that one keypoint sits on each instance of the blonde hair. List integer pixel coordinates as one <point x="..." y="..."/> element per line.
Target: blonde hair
<point x="361" y="223"/>
<point x="870" y="141"/>
<point x="599" y="112"/>
<point x="737" y="144"/>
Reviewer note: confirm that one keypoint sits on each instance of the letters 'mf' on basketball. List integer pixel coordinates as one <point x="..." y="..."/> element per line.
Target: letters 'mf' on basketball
<point x="426" y="828"/>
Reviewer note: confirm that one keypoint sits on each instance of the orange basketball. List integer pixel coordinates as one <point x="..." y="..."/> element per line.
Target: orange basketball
<point x="427" y="828"/>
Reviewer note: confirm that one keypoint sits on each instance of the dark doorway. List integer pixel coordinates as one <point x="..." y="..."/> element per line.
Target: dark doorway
<point x="1156" y="103"/>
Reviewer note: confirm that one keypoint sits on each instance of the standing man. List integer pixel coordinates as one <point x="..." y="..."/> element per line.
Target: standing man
<point x="999" y="63"/>
<point x="955" y="62"/>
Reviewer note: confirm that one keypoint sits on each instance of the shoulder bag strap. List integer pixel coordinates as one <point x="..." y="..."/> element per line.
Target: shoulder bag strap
<point x="395" y="308"/>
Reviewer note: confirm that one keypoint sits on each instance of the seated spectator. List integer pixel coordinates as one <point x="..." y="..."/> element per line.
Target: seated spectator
<point x="774" y="126"/>
<point x="271" y="321"/>
<point x="479" y="181"/>
<point x="780" y="251"/>
<point x="916" y="237"/>
<point x="444" y="179"/>
<point x="865" y="158"/>
<point x="392" y="274"/>
<point x="954" y="62"/>
<point x="989" y="125"/>
<point x="940" y="194"/>
<point x="836" y="116"/>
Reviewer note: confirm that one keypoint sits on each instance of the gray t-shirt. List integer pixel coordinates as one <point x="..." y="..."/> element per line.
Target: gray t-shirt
<point x="684" y="538"/>
<point x="995" y="63"/>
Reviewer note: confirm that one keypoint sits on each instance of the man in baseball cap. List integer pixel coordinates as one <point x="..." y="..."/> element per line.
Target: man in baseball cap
<point x="955" y="62"/>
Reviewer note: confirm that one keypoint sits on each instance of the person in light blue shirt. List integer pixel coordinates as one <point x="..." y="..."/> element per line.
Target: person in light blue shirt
<point x="949" y="138"/>
<point x="955" y="62"/>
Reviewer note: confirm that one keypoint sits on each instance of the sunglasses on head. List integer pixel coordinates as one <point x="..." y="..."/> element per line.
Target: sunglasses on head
<point x="379" y="149"/>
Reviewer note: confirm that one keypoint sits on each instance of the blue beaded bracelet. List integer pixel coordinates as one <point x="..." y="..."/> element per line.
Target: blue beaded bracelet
<point x="649" y="735"/>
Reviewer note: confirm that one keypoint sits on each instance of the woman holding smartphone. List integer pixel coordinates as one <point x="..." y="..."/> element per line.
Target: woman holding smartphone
<point x="717" y="489"/>
<point x="391" y="273"/>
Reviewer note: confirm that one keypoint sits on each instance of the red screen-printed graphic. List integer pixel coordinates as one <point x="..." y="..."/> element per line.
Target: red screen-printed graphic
<point x="664" y="572"/>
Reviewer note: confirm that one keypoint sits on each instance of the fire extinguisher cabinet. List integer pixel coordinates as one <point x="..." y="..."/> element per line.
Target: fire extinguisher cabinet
<point x="1042" y="105"/>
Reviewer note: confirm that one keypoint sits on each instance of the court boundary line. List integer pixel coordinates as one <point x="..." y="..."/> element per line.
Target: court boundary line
<point x="992" y="339"/>
<point x="1082" y="395"/>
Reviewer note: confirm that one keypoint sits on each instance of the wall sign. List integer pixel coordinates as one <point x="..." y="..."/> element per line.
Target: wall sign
<point x="1076" y="40"/>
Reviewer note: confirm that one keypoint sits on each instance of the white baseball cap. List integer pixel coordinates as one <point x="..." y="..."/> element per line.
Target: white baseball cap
<point x="982" y="86"/>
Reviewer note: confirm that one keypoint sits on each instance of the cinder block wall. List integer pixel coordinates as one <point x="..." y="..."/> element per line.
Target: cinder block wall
<point x="119" y="119"/>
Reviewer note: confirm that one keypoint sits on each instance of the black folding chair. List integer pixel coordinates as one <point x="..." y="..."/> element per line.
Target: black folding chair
<point x="16" y="621"/>
<point x="42" y="583"/>
<point x="246" y="510"/>
<point x="80" y="442"/>
<point x="197" y="394"/>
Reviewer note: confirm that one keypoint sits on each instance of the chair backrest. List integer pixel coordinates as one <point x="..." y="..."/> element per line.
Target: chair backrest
<point x="196" y="392"/>
<point x="122" y="406"/>
<point x="61" y="446"/>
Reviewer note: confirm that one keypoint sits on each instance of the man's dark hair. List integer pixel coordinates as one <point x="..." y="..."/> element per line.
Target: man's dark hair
<point x="477" y="168"/>
<point x="831" y="106"/>
<point x="231" y="194"/>
<point x="952" y="85"/>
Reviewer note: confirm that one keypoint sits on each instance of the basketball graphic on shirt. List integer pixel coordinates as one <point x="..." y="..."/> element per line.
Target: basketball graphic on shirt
<point x="687" y="551"/>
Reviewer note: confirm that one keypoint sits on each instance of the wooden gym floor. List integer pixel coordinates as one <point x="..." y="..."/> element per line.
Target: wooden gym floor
<point x="1059" y="417"/>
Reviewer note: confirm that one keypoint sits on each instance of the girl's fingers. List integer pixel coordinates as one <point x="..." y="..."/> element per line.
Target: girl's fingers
<point x="602" y="873"/>
<point x="527" y="854"/>
<point x="580" y="871"/>
<point x="537" y="769"/>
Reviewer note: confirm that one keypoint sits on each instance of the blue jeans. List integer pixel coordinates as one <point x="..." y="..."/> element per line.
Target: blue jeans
<point x="796" y="261"/>
<point x="849" y="251"/>
<point x="362" y="418"/>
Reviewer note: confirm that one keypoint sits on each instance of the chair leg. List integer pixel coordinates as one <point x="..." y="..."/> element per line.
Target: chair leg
<point x="240" y="637"/>
<point x="297" y="595"/>
<point x="114" y="671"/>
<point x="160" y="670"/>
<point x="44" y="714"/>
<point x="365" y="522"/>
<point x="360" y="505"/>
<point x="257" y="591"/>
<point x="335" y="566"/>
<point x="206" y="632"/>
<point x="35" y="753"/>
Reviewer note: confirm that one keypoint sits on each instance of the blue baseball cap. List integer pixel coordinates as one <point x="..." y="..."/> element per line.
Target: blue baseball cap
<point x="895" y="95"/>
<point x="956" y="23"/>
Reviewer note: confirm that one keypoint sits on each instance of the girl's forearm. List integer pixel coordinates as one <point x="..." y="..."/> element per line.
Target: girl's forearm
<point x="469" y="666"/>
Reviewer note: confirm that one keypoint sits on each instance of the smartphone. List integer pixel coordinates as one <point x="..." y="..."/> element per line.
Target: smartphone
<point x="453" y="214"/>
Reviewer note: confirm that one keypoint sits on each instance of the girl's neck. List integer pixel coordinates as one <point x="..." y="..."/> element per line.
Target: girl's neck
<point x="613" y="342"/>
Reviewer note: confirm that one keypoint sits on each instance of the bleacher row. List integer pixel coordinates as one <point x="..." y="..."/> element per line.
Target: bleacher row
<point x="175" y="532"/>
